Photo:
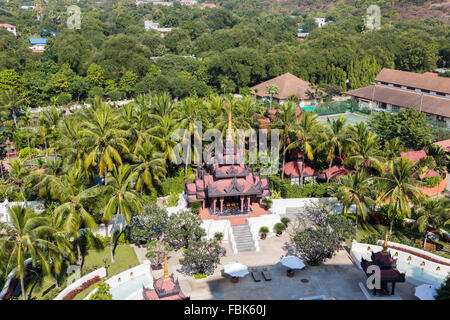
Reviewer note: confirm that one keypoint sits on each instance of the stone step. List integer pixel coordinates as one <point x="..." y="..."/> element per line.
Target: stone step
<point x="243" y="237"/>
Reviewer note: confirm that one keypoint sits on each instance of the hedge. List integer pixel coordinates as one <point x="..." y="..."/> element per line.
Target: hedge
<point x="432" y="181"/>
<point x="289" y="191"/>
<point x="83" y="286"/>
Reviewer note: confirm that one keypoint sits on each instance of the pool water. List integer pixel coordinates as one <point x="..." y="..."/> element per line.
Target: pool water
<point x="129" y="287"/>
<point x="419" y="274"/>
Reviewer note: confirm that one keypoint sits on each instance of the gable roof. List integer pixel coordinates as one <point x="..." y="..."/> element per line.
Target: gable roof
<point x="7" y="25"/>
<point x="415" y="80"/>
<point x="445" y="144"/>
<point x="288" y="85"/>
<point x="404" y="98"/>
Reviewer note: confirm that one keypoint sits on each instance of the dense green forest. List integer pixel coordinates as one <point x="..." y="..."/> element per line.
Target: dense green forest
<point x="224" y="49"/>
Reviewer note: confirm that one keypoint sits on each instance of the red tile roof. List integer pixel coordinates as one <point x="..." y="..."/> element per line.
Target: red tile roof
<point x="415" y="156"/>
<point x="288" y="85"/>
<point x="444" y="144"/>
<point x="294" y="169"/>
<point x="432" y="173"/>
<point x="335" y="172"/>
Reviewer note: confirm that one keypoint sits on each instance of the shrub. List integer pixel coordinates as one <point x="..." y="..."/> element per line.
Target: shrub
<point x="315" y="190"/>
<point x="173" y="199"/>
<point x="318" y="244"/>
<point x="386" y="212"/>
<point x="64" y="99"/>
<point x="443" y="293"/>
<point x="102" y="292"/>
<point x="25" y="153"/>
<point x="285" y="221"/>
<point x="172" y="185"/>
<point x="218" y="236"/>
<point x="279" y="227"/>
<point x="82" y="287"/>
<point x="432" y="181"/>
<point x="331" y="108"/>
<point x="116" y="95"/>
<point x="195" y="207"/>
<point x="263" y="231"/>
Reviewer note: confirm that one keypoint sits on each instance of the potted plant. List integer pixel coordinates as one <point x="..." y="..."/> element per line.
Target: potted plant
<point x="195" y="207"/>
<point x="279" y="228"/>
<point x="267" y="202"/>
<point x="263" y="231"/>
<point x="218" y="236"/>
<point x="285" y="221"/>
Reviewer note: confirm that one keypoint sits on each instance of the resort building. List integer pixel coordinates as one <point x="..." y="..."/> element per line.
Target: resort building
<point x="395" y="89"/>
<point x="290" y="87"/>
<point x="149" y="24"/>
<point x="188" y="2"/>
<point x="9" y="27"/>
<point x="38" y="44"/>
<point x="208" y="5"/>
<point x="320" y="22"/>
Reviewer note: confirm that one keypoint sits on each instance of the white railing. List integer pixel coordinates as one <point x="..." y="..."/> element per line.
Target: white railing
<point x="232" y="240"/>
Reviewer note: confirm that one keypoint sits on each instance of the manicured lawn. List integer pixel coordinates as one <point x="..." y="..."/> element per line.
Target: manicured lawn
<point x="124" y="256"/>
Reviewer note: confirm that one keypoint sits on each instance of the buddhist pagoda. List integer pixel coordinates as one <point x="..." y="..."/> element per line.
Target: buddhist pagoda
<point x="227" y="186"/>
<point x="164" y="288"/>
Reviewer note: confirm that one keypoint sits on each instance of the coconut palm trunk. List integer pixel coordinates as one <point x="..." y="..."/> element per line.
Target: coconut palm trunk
<point x="303" y="167"/>
<point x="329" y="170"/>
<point x="112" y="234"/>
<point x="22" y="287"/>
<point x="284" y="161"/>
<point x="392" y="220"/>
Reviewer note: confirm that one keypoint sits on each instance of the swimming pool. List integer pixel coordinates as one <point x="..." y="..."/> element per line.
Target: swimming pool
<point x="419" y="274"/>
<point x="122" y="291"/>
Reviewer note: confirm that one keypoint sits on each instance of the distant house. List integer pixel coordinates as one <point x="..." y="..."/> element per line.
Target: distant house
<point x="320" y="22"/>
<point x="150" y="25"/>
<point x="162" y="3"/>
<point x="302" y="35"/>
<point x="208" y="5"/>
<point x="289" y="86"/>
<point x="9" y="27"/>
<point x="38" y="44"/>
<point x="414" y="156"/>
<point x="394" y="89"/>
<point x="188" y="2"/>
<point x="27" y="7"/>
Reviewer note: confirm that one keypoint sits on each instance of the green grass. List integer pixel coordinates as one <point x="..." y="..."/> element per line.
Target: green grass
<point x="124" y="256"/>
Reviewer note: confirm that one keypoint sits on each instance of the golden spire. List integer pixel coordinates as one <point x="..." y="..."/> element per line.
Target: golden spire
<point x="385" y="245"/>
<point x="166" y="269"/>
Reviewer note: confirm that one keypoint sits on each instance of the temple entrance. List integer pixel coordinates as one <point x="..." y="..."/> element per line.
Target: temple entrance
<point x="232" y="206"/>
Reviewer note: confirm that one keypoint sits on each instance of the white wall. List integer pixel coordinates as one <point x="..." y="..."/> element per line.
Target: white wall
<point x="4" y="215"/>
<point x="99" y="272"/>
<point x="279" y="206"/>
<point x="127" y="275"/>
<point x="359" y="250"/>
<point x="212" y="226"/>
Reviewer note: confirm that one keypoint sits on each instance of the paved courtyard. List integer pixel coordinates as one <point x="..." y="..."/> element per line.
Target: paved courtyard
<point x="337" y="278"/>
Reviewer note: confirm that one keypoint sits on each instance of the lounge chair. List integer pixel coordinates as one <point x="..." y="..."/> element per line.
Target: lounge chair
<point x="256" y="275"/>
<point x="266" y="274"/>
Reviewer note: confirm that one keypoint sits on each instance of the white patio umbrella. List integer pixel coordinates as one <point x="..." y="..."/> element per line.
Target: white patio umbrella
<point x="236" y="269"/>
<point x="292" y="262"/>
<point x="425" y="292"/>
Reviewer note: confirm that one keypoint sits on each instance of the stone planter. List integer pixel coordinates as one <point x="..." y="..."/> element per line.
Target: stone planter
<point x="235" y="279"/>
<point x="263" y="236"/>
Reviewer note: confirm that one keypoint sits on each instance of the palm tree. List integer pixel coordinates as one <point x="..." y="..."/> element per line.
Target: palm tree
<point x="354" y="189"/>
<point x="70" y="190"/>
<point x="364" y="147"/>
<point x="399" y="185"/>
<point x="26" y="236"/>
<point x="107" y="140"/>
<point x="162" y="104"/>
<point x="123" y="200"/>
<point x="161" y="134"/>
<point x="393" y="148"/>
<point x="149" y="165"/>
<point x="18" y="174"/>
<point x="71" y="143"/>
<point x="434" y="213"/>
<point x="308" y="129"/>
<point x="10" y="102"/>
<point x="287" y="122"/>
<point x="272" y="89"/>
<point x="188" y="114"/>
<point x="334" y="140"/>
